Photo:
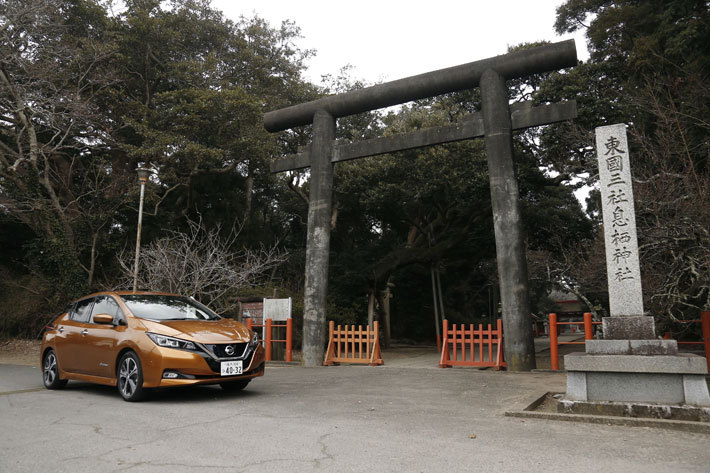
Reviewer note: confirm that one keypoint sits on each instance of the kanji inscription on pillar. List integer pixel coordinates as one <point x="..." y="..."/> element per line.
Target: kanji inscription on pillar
<point x="622" y="255"/>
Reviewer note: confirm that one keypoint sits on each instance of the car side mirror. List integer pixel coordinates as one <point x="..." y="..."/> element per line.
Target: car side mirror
<point x="103" y="319"/>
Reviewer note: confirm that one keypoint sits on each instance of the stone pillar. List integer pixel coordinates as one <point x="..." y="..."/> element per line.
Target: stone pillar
<point x="627" y="319"/>
<point x="510" y="252"/>
<point x="629" y="365"/>
<point x="318" y="240"/>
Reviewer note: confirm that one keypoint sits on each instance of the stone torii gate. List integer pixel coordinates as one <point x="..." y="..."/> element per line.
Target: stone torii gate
<point x="495" y="122"/>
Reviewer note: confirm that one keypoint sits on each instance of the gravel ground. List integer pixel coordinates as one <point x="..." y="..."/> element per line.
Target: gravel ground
<point x="19" y="352"/>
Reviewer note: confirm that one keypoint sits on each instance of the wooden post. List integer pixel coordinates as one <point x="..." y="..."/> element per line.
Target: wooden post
<point x="436" y="309"/>
<point x="330" y="352"/>
<point x="289" y="339"/>
<point x="371" y="308"/>
<point x="386" y="309"/>
<point x="445" y="346"/>
<point x="705" y="320"/>
<point x="554" y="355"/>
<point x="437" y="273"/>
<point x="499" y="356"/>
<point x="267" y="339"/>
<point x="588" y="327"/>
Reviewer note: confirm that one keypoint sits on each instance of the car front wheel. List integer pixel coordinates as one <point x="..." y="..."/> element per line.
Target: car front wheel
<point x="50" y="371"/>
<point x="130" y="377"/>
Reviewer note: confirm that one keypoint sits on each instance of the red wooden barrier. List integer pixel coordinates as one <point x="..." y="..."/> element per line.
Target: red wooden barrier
<point x="554" y="340"/>
<point x="268" y="336"/>
<point x="462" y="341"/>
<point x="705" y="328"/>
<point x="353" y="345"/>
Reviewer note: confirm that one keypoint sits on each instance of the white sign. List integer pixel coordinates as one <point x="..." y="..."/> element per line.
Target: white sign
<point x="277" y="309"/>
<point x="622" y="254"/>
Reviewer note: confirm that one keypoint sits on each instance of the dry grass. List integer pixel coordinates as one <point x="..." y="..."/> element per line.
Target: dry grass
<point x="17" y="351"/>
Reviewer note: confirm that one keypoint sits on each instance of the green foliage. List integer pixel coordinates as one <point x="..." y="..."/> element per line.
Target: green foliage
<point x="174" y="86"/>
<point x="178" y="87"/>
<point x="648" y="68"/>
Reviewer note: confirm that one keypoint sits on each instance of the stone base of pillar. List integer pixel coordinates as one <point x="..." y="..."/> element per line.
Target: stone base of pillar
<point x="662" y="379"/>
<point x="637" y="327"/>
<point x="632" y="347"/>
<point x="635" y="409"/>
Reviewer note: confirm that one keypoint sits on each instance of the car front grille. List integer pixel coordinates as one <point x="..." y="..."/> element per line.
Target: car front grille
<point x="215" y="365"/>
<point x="221" y="350"/>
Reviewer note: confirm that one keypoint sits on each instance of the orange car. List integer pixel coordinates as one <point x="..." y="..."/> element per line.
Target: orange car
<point x="147" y="340"/>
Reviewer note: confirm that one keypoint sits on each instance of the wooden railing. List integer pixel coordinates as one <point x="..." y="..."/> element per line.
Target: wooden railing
<point x="470" y="347"/>
<point x="353" y="344"/>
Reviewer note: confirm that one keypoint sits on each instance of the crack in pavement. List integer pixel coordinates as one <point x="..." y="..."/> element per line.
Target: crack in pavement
<point x="323" y="450"/>
<point x="204" y="422"/>
<point x="244" y="468"/>
<point x="21" y="391"/>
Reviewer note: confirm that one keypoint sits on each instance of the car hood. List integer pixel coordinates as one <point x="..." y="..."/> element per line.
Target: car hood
<point x="201" y="331"/>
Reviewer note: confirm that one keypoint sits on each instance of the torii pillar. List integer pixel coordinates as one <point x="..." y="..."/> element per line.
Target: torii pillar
<point x="495" y="124"/>
<point x="320" y="206"/>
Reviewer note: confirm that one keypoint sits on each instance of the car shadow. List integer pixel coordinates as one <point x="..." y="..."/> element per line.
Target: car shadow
<point x="196" y="394"/>
<point x="166" y="395"/>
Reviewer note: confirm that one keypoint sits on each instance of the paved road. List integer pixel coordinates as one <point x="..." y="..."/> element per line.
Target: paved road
<point x="336" y="419"/>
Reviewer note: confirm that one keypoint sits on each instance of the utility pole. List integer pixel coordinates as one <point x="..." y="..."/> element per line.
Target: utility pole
<point x="143" y="175"/>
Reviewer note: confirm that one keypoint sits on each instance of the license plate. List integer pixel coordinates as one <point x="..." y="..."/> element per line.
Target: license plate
<point x="231" y="368"/>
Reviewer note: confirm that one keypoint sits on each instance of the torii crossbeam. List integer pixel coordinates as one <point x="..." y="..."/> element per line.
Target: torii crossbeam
<point x="495" y="122"/>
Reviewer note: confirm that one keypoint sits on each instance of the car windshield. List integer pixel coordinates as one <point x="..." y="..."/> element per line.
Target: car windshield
<point x="163" y="307"/>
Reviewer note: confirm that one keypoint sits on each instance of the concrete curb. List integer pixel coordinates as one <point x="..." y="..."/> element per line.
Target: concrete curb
<point x="685" y="426"/>
<point x="681" y="425"/>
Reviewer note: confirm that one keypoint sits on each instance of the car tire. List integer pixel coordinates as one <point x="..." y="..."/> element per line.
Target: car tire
<point x="50" y="371"/>
<point x="235" y="386"/>
<point x="129" y="377"/>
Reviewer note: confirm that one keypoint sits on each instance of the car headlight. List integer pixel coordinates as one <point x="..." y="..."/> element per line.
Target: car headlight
<point x="170" y="342"/>
<point x="254" y="340"/>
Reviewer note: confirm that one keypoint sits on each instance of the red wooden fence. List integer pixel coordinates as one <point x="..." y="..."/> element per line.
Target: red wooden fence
<point x="704" y="320"/>
<point x="268" y="336"/>
<point x="353" y="345"/>
<point x="470" y="347"/>
<point x="588" y="334"/>
<point x="555" y="343"/>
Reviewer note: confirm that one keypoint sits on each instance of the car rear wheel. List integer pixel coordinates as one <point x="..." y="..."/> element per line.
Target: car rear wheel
<point x="234" y="386"/>
<point x="130" y="377"/>
<point x="50" y="371"/>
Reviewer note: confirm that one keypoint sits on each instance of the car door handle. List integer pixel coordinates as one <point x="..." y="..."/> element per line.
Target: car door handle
<point x="84" y="332"/>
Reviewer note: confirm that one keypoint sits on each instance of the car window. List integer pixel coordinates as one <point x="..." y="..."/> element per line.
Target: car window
<point x="107" y="305"/>
<point x="82" y="310"/>
<point x="165" y="307"/>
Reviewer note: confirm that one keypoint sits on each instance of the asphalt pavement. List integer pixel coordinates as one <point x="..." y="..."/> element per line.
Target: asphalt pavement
<point x="400" y="417"/>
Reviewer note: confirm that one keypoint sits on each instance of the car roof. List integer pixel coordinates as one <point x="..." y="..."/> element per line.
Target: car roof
<point x="128" y="293"/>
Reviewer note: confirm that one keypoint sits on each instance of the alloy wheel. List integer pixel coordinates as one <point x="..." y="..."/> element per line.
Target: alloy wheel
<point x="128" y="377"/>
<point x="50" y="369"/>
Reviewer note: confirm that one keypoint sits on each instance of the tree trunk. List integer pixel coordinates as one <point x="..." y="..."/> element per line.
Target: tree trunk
<point x="371" y="307"/>
<point x="248" y="198"/>
<point x="92" y="263"/>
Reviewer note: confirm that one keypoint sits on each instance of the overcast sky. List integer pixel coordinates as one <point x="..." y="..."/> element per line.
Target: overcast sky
<point x="390" y="39"/>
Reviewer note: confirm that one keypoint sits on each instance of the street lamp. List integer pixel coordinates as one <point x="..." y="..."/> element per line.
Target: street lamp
<point x="143" y="175"/>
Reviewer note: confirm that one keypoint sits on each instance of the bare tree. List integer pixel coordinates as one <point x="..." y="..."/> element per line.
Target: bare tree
<point x="673" y="195"/>
<point x="201" y="263"/>
<point x="579" y="269"/>
<point x="52" y="130"/>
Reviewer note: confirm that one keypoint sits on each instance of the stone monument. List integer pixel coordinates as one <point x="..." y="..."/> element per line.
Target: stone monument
<point x="629" y="365"/>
